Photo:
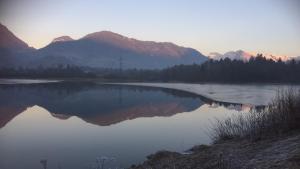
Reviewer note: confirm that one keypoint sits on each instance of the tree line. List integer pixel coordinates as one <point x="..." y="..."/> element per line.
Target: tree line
<point x="257" y="69"/>
<point x="59" y="71"/>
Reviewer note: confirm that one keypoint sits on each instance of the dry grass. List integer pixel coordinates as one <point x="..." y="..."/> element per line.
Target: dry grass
<point x="280" y="116"/>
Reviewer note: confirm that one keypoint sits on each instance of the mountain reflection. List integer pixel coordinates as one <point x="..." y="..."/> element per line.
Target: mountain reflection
<point x="94" y="103"/>
<point x="98" y="103"/>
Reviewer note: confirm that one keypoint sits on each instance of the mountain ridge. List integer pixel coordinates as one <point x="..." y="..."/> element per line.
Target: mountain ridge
<point x="13" y="51"/>
<point x="131" y="43"/>
<point x="245" y="56"/>
<point x="10" y="41"/>
<point x="104" y="49"/>
<point x="62" y="39"/>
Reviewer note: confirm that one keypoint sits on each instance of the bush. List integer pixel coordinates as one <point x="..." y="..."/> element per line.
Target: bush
<point x="280" y="116"/>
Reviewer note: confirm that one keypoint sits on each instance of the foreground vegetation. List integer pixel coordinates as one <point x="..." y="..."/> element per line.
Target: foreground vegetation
<point x="260" y="139"/>
<point x="280" y="116"/>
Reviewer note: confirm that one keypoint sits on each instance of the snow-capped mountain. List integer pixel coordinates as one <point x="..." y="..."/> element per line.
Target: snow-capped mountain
<point x="62" y="39"/>
<point x="233" y="55"/>
<point x="245" y="56"/>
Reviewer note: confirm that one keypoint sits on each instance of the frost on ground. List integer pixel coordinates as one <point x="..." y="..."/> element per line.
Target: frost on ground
<point x="253" y="94"/>
<point x="25" y="81"/>
<point x="276" y="153"/>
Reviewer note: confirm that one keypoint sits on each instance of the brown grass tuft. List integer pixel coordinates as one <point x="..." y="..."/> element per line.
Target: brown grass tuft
<point x="280" y="116"/>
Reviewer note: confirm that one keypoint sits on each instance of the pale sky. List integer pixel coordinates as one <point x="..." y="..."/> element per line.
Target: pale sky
<point x="266" y="26"/>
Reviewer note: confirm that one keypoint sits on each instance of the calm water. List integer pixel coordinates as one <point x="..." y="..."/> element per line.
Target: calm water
<point x="71" y="125"/>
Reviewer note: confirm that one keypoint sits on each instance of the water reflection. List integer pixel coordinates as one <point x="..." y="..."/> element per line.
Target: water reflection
<point x="50" y="124"/>
<point x="98" y="104"/>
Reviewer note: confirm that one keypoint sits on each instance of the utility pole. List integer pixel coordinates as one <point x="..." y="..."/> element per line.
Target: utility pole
<point x="121" y="65"/>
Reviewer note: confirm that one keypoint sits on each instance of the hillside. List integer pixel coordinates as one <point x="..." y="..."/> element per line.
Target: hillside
<point x="110" y="50"/>
<point x="13" y="51"/>
<point x="96" y="50"/>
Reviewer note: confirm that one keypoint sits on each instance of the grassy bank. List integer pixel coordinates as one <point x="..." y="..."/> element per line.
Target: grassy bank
<point x="264" y="139"/>
<point x="280" y="116"/>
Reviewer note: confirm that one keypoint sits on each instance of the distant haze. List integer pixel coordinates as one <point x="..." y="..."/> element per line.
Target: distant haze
<point x="266" y="26"/>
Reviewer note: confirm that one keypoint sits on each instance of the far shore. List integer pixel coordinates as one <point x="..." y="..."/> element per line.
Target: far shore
<point x="248" y="94"/>
<point x="254" y="94"/>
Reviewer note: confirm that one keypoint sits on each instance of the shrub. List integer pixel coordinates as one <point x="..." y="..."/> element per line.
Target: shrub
<point x="280" y="116"/>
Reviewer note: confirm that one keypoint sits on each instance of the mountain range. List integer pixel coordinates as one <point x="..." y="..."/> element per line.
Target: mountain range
<point x="103" y="49"/>
<point x="245" y="56"/>
<point x="107" y="49"/>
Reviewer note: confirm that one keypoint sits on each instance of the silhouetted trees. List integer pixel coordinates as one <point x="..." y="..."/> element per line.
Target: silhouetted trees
<point x="257" y="69"/>
<point x="59" y="71"/>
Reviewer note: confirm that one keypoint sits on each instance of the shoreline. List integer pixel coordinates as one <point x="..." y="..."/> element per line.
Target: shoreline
<point x="247" y="94"/>
<point x="258" y="140"/>
<point x="251" y="94"/>
<point x="272" y="153"/>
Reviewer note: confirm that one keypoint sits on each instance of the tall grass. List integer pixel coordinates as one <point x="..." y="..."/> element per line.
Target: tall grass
<point x="280" y="116"/>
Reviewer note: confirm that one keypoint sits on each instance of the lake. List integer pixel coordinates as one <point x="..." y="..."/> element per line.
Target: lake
<point x="78" y="125"/>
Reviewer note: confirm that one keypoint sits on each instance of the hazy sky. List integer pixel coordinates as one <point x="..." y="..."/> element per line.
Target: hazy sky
<point x="267" y="26"/>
